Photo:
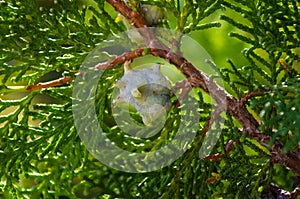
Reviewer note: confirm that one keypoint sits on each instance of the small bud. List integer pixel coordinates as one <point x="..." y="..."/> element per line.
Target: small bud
<point x="153" y="14"/>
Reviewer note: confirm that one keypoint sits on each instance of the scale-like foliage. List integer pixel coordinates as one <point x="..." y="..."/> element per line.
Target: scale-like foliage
<point x="271" y="28"/>
<point x="40" y="151"/>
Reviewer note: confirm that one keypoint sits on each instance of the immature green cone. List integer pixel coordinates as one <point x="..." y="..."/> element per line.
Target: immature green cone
<point x="147" y="90"/>
<point x="153" y="14"/>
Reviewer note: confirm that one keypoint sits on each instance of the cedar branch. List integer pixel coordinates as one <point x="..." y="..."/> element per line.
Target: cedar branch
<point x="235" y="107"/>
<point x="57" y="82"/>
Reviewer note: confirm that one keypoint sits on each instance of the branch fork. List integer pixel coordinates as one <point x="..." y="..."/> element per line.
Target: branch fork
<point x="235" y="107"/>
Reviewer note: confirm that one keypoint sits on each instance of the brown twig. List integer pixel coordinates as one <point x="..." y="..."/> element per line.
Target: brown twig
<point x="135" y="18"/>
<point x="235" y="107"/>
<point x="214" y="157"/>
<point x="291" y="160"/>
<point x="276" y="191"/>
<point x="184" y="88"/>
<point x="57" y="82"/>
<point x="251" y="94"/>
<point x="121" y="58"/>
<point x="213" y="118"/>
